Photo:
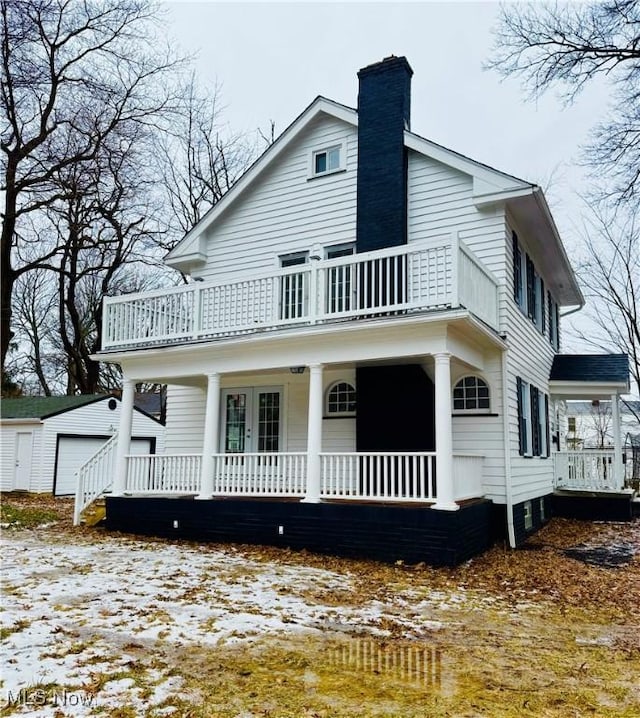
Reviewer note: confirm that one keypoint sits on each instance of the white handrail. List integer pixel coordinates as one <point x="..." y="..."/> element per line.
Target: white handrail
<point x="94" y="477"/>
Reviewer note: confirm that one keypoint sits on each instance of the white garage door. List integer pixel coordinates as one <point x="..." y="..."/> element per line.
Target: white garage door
<point x="73" y="451"/>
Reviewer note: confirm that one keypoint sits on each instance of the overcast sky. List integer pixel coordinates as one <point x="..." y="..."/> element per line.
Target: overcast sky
<point x="272" y="59"/>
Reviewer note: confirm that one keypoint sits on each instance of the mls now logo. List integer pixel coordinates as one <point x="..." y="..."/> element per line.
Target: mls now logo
<point x="53" y="697"/>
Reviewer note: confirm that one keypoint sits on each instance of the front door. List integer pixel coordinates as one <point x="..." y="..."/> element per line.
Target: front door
<point x="24" y="450"/>
<point x="251" y="420"/>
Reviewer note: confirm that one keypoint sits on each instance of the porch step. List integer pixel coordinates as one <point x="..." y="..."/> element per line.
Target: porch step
<point x="94" y="513"/>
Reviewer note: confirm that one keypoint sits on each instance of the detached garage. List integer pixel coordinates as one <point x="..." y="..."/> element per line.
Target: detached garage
<point x="45" y="440"/>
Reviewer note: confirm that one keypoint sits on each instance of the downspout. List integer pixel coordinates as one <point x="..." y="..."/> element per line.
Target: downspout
<point x="511" y="533"/>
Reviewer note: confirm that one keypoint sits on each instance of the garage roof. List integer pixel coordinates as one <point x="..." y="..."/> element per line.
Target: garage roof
<point x="42" y="407"/>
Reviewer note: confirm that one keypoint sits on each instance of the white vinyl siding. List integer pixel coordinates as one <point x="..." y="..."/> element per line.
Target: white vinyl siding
<point x="530" y="356"/>
<point x="185" y="412"/>
<point x="484" y="435"/>
<point x="283" y="213"/>
<point x="440" y="202"/>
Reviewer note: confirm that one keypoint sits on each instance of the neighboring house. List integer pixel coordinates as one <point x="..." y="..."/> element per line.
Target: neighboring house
<point x="362" y="361"/>
<point x="589" y="424"/>
<point x="45" y="440"/>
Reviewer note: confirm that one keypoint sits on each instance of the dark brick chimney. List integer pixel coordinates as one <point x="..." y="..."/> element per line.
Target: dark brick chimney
<point x="384" y="101"/>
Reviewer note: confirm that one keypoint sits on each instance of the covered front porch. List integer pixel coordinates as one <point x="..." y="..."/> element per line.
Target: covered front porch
<point x="273" y="433"/>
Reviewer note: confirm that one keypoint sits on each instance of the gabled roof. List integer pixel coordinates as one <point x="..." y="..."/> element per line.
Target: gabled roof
<point x="591" y="367"/>
<point x="526" y="201"/>
<point x="42" y="407"/>
<point x="191" y="248"/>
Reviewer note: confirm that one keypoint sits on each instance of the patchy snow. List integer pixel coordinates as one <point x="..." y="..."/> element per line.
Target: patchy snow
<point x="72" y="612"/>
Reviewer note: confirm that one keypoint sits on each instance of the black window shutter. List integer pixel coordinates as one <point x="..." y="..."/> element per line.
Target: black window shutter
<point x="546" y="421"/>
<point x="535" y="422"/>
<point x="543" y="318"/>
<point x="550" y="306"/>
<point x="521" y="436"/>
<point x="556" y="309"/>
<point x="531" y="289"/>
<point x="517" y="269"/>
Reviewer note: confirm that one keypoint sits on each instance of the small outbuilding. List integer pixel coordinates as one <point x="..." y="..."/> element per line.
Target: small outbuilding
<point x="45" y="440"/>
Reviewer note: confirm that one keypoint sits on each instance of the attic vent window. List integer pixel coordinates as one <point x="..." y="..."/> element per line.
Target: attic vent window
<point x="327" y="160"/>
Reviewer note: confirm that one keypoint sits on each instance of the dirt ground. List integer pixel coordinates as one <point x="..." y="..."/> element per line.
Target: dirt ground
<point x="96" y="623"/>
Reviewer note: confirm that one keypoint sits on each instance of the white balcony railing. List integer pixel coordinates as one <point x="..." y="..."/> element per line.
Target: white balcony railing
<point x="399" y="279"/>
<point x="586" y="470"/>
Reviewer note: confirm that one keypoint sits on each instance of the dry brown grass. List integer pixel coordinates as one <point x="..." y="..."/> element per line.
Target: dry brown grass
<point x="538" y="633"/>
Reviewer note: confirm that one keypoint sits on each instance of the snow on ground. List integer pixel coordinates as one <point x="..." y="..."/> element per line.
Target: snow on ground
<point x="72" y="612"/>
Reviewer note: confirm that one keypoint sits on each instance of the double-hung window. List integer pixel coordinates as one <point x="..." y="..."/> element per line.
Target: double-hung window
<point x="528" y="286"/>
<point x="533" y="420"/>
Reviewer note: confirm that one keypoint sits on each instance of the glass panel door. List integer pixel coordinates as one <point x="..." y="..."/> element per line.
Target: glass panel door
<point x="339" y="286"/>
<point x="268" y="421"/>
<point x="251" y="420"/>
<point x="236" y="429"/>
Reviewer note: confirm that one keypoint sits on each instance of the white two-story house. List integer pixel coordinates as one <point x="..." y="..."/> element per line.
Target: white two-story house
<point x="361" y="361"/>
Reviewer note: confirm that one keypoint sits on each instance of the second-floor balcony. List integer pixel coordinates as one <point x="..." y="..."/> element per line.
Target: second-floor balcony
<point x="412" y="278"/>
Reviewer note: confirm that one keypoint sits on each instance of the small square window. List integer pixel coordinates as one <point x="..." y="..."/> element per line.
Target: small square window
<point x="326" y="161"/>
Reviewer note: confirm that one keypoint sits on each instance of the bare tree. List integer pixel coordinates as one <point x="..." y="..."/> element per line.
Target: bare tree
<point x="199" y="159"/>
<point x="569" y="45"/>
<point x="609" y="271"/>
<point x="73" y="75"/>
<point x="600" y="416"/>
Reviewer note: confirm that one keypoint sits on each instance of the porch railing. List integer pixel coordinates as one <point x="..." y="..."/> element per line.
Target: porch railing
<point x="371" y="476"/>
<point x="260" y="474"/>
<point x="586" y="469"/>
<point x="378" y="476"/>
<point x="164" y="473"/>
<point x="398" y="279"/>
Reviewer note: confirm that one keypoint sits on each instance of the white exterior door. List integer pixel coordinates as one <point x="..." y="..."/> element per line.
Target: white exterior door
<point x="251" y="420"/>
<point x="24" y="453"/>
<point x="74" y="451"/>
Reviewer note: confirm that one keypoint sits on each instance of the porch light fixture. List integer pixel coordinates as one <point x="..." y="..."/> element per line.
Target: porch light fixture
<point x="297" y="369"/>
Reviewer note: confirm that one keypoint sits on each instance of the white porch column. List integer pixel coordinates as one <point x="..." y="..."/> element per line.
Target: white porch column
<point x="618" y="467"/>
<point x="124" y="437"/>
<point x="444" y="435"/>
<point x="210" y="438"/>
<point x="314" y="437"/>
